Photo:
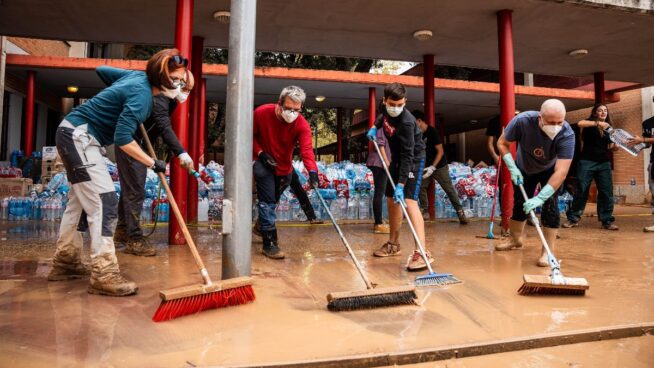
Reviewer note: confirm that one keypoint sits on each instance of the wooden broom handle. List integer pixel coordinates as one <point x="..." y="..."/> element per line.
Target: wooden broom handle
<point x="178" y="215"/>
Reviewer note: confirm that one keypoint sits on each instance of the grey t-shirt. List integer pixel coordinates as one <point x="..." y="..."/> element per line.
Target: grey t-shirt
<point x="536" y="151"/>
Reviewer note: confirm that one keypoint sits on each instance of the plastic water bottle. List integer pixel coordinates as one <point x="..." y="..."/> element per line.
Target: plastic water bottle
<point x="165" y="211"/>
<point x="353" y="207"/>
<point x="364" y="205"/>
<point x="203" y="209"/>
<point x="5" y="209"/>
<point x="335" y="209"/>
<point x="342" y="205"/>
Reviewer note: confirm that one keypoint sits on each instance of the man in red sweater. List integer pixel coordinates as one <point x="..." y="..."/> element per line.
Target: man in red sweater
<point x="277" y="128"/>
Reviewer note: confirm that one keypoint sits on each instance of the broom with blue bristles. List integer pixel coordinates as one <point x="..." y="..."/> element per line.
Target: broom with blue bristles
<point x="432" y="278"/>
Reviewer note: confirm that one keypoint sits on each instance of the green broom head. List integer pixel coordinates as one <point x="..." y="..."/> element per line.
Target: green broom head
<point x="371" y="298"/>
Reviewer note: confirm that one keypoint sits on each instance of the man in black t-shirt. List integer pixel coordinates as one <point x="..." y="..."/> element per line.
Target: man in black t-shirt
<point x="648" y="138"/>
<point x="436" y="167"/>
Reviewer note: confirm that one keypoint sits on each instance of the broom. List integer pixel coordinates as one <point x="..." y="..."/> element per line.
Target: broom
<point x="555" y="283"/>
<point x="432" y="278"/>
<point x="490" y="234"/>
<point x="365" y="299"/>
<point x="191" y="299"/>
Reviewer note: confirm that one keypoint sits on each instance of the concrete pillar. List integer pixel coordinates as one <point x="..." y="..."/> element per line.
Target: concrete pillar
<point x="28" y="139"/>
<point x="179" y="176"/>
<point x="600" y="94"/>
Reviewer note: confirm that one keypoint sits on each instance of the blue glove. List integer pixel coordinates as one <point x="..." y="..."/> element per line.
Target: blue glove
<point x="372" y="134"/>
<point x="516" y="175"/>
<point x="398" y="196"/>
<point x="537" y="201"/>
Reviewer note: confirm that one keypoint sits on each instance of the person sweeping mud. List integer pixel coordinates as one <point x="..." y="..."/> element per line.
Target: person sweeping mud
<point x="132" y="173"/>
<point x="545" y="149"/>
<point x="112" y="116"/>
<point x="277" y="128"/>
<point x="408" y="151"/>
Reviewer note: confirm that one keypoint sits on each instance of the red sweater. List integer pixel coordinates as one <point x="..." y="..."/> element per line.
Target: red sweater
<point x="277" y="138"/>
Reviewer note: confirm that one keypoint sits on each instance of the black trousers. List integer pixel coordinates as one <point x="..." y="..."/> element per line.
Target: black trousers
<point x="132" y="176"/>
<point x="549" y="215"/>
<point x="380" y="179"/>
<point x="302" y="197"/>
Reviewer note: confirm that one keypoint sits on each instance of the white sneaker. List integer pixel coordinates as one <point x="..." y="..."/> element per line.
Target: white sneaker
<point x="649" y="229"/>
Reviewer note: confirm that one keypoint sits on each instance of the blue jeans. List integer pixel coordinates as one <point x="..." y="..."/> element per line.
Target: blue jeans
<point x="269" y="189"/>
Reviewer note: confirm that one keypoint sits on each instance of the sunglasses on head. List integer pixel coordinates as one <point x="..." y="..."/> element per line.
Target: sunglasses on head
<point x="178" y="60"/>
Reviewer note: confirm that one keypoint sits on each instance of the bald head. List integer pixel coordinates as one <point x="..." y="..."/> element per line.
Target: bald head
<point x="552" y="111"/>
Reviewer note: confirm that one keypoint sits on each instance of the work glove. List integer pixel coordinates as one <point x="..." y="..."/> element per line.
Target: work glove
<point x="427" y="171"/>
<point x="159" y="166"/>
<point x="313" y="179"/>
<point x="516" y="175"/>
<point x="398" y="196"/>
<point x="267" y="160"/>
<point x="537" y="201"/>
<point x="185" y="160"/>
<point x="372" y="134"/>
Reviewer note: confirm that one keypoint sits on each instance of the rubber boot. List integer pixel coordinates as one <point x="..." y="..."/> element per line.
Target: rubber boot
<point x="516" y="229"/>
<point x="550" y="236"/>
<point x="270" y="245"/>
<point x="106" y="278"/>
<point x="67" y="262"/>
<point x="140" y="247"/>
<point x="462" y="217"/>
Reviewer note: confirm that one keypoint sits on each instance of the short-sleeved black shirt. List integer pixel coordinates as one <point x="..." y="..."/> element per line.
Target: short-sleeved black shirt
<point x="595" y="146"/>
<point x="648" y="132"/>
<point x="432" y="139"/>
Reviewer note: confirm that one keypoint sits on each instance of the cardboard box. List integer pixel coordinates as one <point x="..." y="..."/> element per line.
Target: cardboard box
<point x="15" y="187"/>
<point x="49" y="153"/>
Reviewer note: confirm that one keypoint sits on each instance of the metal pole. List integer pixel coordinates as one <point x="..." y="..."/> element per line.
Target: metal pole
<point x="507" y="101"/>
<point x="179" y="176"/>
<point x="237" y="240"/>
<point x="196" y="111"/>
<point x="428" y="87"/>
<point x="28" y="140"/>
<point x="600" y="93"/>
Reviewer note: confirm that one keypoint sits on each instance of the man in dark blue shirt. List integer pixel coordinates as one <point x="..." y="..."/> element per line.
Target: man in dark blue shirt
<point x="545" y="149"/>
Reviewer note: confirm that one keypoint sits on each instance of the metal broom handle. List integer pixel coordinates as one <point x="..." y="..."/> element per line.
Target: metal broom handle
<point x="347" y="245"/>
<point x="406" y="214"/>
<point x="534" y="219"/>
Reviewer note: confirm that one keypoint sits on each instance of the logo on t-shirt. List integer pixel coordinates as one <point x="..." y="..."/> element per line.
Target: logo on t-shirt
<point x="539" y="152"/>
<point x="388" y="129"/>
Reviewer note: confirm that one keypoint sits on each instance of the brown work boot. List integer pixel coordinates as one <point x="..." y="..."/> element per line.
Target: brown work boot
<point x="550" y="236"/>
<point x="462" y="217"/>
<point x="516" y="229"/>
<point x="106" y="278"/>
<point x="416" y="262"/>
<point x="388" y="249"/>
<point x="381" y="229"/>
<point x="316" y="222"/>
<point x="270" y="245"/>
<point x="120" y="235"/>
<point x="67" y="265"/>
<point x="140" y="247"/>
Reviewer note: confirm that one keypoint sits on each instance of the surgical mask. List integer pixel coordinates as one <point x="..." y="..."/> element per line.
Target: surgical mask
<point x="394" y="111"/>
<point x="182" y="96"/>
<point x="171" y="93"/>
<point x="289" y="116"/>
<point x="551" y="130"/>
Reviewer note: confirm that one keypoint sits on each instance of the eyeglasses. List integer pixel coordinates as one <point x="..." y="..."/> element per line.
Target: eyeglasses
<point x="178" y="60"/>
<point x="288" y="109"/>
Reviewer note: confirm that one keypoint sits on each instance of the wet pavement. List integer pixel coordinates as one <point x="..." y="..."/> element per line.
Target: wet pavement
<point x="58" y="324"/>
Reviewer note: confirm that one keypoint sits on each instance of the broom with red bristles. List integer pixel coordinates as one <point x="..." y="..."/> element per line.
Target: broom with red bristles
<point x="185" y="300"/>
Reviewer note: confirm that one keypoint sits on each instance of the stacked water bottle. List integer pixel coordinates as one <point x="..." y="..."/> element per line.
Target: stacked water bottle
<point x="49" y="205"/>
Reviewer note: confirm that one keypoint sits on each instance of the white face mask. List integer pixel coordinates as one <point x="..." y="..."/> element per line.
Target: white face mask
<point x="182" y="96"/>
<point x="551" y="130"/>
<point x="289" y="116"/>
<point x="394" y="111"/>
<point x="171" y="93"/>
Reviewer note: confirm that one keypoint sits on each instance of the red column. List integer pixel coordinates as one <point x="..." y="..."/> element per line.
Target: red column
<point x="428" y="87"/>
<point x="179" y="176"/>
<point x="28" y="140"/>
<point x="507" y="102"/>
<point x="600" y="94"/>
<point x="372" y="111"/>
<point x="194" y="129"/>
<point x="339" y="134"/>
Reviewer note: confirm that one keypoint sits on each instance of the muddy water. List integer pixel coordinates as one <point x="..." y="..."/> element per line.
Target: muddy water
<point x="46" y="324"/>
<point x="632" y="352"/>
